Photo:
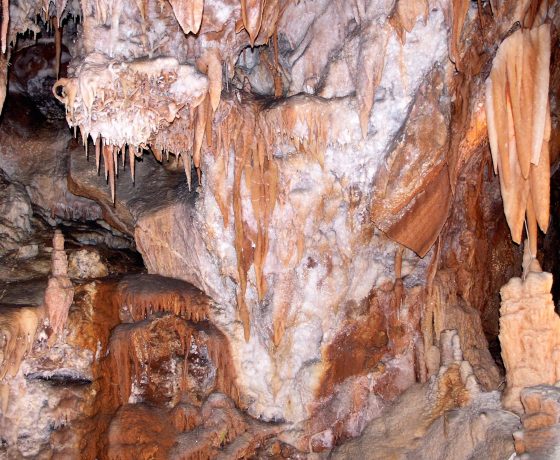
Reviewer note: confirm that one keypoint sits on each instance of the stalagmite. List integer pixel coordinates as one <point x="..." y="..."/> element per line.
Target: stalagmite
<point x="59" y="294"/>
<point x="539" y="437"/>
<point x="188" y="14"/>
<point x="529" y="332"/>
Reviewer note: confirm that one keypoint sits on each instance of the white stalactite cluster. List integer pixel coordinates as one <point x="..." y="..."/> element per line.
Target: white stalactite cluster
<point x="518" y="115"/>
<point x="123" y="105"/>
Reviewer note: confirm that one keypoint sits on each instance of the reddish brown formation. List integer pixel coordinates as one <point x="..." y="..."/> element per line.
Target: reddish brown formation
<point x="411" y="208"/>
<point x="214" y="430"/>
<point x="60" y="291"/>
<point x="171" y="368"/>
<point x="374" y="331"/>
<point x="142" y="354"/>
<point x="142" y="295"/>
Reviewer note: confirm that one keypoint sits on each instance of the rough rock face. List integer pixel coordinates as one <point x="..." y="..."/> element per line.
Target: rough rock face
<point x="86" y="264"/>
<point x="15" y="223"/>
<point x="448" y="418"/>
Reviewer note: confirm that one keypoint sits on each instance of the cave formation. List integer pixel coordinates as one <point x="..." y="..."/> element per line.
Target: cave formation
<point x="279" y="229"/>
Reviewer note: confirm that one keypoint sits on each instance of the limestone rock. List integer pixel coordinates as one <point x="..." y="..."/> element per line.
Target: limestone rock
<point x="15" y="215"/>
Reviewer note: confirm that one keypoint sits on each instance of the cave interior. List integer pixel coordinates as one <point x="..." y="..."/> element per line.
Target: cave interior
<point x="280" y="229"/>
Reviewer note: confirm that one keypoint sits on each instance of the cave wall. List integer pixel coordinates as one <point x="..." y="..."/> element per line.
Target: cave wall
<point x="346" y="212"/>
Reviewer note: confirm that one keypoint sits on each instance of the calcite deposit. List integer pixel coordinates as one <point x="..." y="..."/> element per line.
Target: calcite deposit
<point x="286" y="226"/>
<point x="539" y="435"/>
<point x="60" y="291"/>
<point x="529" y="333"/>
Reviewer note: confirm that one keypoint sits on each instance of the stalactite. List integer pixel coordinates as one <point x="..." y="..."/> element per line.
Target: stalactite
<point x="398" y="287"/>
<point x="109" y="153"/>
<point x="460" y="9"/>
<point x="187" y="164"/>
<point x="132" y="163"/>
<point x="58" y="47"/>
<point x="540" y="180"/>
<point x="242" y="249"/>
<point x="4" y="59"/>
<point x="518" y="127"/>
<point x="186" y="127"/>
<point x="278" y="83"/>
<point x="372" y="58"/>
<point x="252" y="14"/>
<point x="60" y="6"/>
<point x="199" y="130"/>
<point x="148" y="295"/>
<point x="405" y="14"/>
<point x="17" y="333"/>
<point x="129" y="359"/>
<point x="188" y="14"/>
<point x="211" y="65"/>
<point x="143" y="8"/>
<point x="5" y="22"/>
<point x="98" y="153"/>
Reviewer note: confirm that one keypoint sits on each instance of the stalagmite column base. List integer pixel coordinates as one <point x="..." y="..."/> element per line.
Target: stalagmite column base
<point x="529" y="333"/>
<point x="540" y="435"/>
<point x="60" y="291"/>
